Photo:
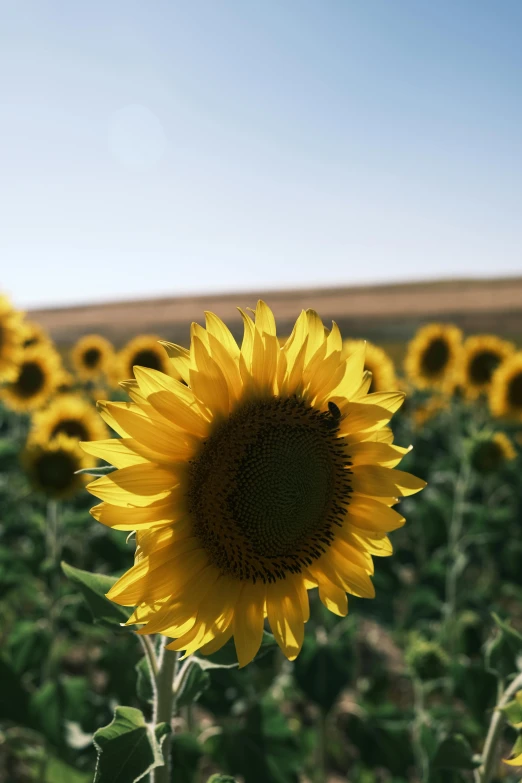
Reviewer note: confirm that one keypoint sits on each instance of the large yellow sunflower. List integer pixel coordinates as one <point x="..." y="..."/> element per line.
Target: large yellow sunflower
<point x="267" y="473"/>
<point x="38" y="374"/>
<point x="483" y="353"/>
<point x="92" y="356"/>
<point x="71" y="415"/>
<point x="144" y="350"/>
<point x="10" y="339"/>
<point x="434" y="355"/>
<point x="377" y="362"/>
<point x="505" y="394"/>
<point x="51" y="467"/>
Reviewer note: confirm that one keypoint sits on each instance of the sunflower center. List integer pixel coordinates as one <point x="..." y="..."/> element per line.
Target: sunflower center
<point x="267" y="488"/>
<point x="482" y="366"/>
<point x="30" y="379"/>
<point x="71" y="427"/>
<point x="435" y="357"/>
<point x="91" y="357"/>
<point x="147" y="358"/>
<point x="515" y="391"/>
<point x="55" y="470"/>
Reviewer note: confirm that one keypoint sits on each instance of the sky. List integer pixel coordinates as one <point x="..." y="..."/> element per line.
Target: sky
<point x="168" y="147"/>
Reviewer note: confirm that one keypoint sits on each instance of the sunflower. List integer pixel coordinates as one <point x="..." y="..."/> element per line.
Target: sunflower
<point x="434" y="355"/>
<point x="71" y="415"/>
<point x="491" y="452"/>
<point x="51" y="467"/>
<point x="377" y="362"/>
<point x="34" y="334"/>
<point x="10" y="339"/>
<point x="267" y="473"/>
<point x="38" y="373"/>
<point x="505" y="394"/>
<point x="483" y="353"/>
<point x="92" y="356"/>
<point x="144" y="350"/>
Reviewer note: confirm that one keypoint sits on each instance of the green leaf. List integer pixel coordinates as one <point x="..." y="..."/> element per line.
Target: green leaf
<point x="101" y="471"/>
<point x="221" y="779"/>
<point x="185" y="755"/>
<point x="57" y="771"/>
<point x="14" y="699"/>
<point x="513" y="710"/>
<point x="322" y="671"/>
<point x="454" y="752"/>
<point x="226" y="658"/>
<point x="193" y="682"/>
<point x="93" y="588"/>
<point x="128" y="748"/>
<point x="505" y="626"/>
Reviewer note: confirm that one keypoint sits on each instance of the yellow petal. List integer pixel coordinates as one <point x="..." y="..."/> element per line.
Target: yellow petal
<point x="137" y="485"/>
<point x="379" y="481"/>
<point x="179" y="359"/>
<point x="265" y="321"/>
<point x="372" y="453"/>
<point x="159" y="513"/>
<point x="248" y="622"/>
<point x="285" y="616"/>
<point x="218" y="329"/>
<point x="370" y="516"/>
<point x="115" y="451"/>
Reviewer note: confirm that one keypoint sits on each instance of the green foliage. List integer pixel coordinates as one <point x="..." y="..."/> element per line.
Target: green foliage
<point x="93" y="588"/>
<point x="128" y="748"/>
<point x="409" y="681"/>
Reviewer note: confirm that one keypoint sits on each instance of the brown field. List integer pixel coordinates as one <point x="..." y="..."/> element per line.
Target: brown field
<point x="386" y="314"/>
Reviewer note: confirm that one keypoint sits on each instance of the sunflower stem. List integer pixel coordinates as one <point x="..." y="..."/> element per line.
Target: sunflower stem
<point x="165" y="705"/>
<point x="455" y="554"/>
<point x="489" y="754"/>
<point x="322" y="734"/>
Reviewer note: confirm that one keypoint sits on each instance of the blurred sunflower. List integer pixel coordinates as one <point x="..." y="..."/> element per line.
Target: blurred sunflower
<point x="434" y="355"/>
<point x="10" y="339"/>
<point x="51" y="466"/>
<point x="66" y="383"/>
<point x="71" y="415"/>
<point x="92" y="356"/>
<point x="377" y="362"/>
<point x="505" y="394"/>
<point x="483" y="353"/>
<point x="145" y="350"/>
<point x="267" y="473"/>
<point x="34" y="334"/>
<point x="492" y="451"/>
<point x="38" y="373"/>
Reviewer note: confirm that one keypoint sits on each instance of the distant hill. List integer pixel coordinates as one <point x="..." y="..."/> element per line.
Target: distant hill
<point x="386" y="314"/>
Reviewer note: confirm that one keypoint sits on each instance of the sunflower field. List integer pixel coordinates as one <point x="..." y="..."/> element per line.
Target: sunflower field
<point x="212" y="569"/>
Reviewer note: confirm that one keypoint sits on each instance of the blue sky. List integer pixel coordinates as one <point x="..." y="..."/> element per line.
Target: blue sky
<point x="171" y="147"/>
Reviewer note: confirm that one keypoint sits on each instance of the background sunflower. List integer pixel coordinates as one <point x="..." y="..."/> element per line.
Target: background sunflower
<point x="505" y="396"/>
<point x="71" y="415"/>
<point x="145" y="350"/>
<point x="37" y="374"/>
<point x="92" y="356"/>
<point x="483" y="353"/>
<point x="11" y="336"/>
<point x="51" y="466"/>
<point x="434" y="356"/>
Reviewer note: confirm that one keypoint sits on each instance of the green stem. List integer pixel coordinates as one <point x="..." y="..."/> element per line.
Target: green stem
<point x="454" y="550"/>
<point x="322" y="768"/>
<point x="489" y="755"/>
<point x="418" y="749"/>
<point x="164" y="706"/>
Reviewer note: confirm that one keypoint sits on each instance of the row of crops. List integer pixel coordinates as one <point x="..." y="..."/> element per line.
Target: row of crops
<point x="422" y="683"/>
